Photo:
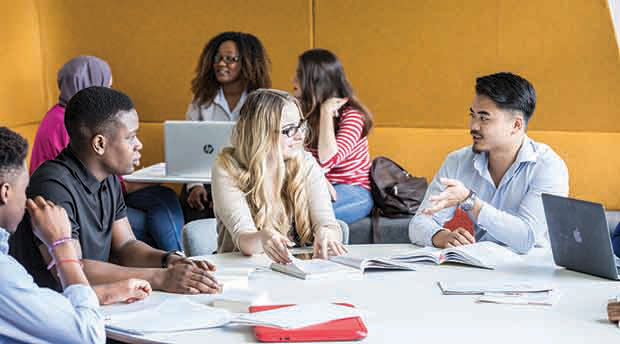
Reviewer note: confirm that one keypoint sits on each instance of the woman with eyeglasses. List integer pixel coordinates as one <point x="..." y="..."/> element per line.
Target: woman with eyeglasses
<point x="231" y="65"/>
<point x="269" y="194"/>
<point x="339" y="125"/>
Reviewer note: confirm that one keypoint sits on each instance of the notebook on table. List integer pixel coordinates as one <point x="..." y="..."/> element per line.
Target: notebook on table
<point x="310" y="269"/>
<point x="336" y="330"/>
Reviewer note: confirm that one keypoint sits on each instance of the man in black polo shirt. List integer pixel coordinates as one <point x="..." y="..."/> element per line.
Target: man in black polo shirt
<point x="102" y="125"/>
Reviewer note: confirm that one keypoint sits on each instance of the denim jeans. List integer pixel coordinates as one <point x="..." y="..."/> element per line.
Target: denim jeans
<point x="156" y="217"/>
<point x="352" y="203"/>
<point x="615" y="240"/>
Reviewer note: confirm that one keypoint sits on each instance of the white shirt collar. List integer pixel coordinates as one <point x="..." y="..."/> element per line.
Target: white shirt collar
<point x="220" y="100"/>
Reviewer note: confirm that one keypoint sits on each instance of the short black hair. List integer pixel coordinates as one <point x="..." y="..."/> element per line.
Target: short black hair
<point x="509" y="92"/>
<point x="94" y="110"/>
<point x="13" y="151"/>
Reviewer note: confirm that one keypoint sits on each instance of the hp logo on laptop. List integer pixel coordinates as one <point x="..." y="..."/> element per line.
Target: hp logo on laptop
<point x="208" y="148"/>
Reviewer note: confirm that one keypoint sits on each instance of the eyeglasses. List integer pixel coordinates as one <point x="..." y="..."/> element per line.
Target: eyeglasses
<point x="227" y="59"/>
<point x="292" y="131"/>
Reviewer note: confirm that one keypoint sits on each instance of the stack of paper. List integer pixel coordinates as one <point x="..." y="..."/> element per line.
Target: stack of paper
<point x="174" y="314"/>
<point x="233" y="278"/>
<point x="298" y="316"/>
<point x="508" y="292"/>
<point x="544" y="298"/>
<point x="240" y="300"/>
<point x="182" y="314"/>
<point x="479" y="288"/>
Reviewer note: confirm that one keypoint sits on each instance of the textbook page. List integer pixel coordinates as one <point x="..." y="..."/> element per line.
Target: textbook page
<point x="371" y="263"/>
<point x="421" y="255"/>
<point x="485" y="254"/>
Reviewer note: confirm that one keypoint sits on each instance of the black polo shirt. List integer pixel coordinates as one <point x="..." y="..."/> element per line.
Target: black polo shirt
<point x="92" y="207"/>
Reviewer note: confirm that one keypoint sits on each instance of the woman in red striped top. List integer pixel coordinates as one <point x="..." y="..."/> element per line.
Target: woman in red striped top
<point x="339" y="124"/>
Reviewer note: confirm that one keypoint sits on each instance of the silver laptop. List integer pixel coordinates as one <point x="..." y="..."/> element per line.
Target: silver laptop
<point x="192" y="146"/>
<point x="579" y="235"/>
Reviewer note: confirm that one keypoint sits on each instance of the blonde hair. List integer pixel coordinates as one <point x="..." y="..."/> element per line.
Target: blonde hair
<point x="255" y="140"/>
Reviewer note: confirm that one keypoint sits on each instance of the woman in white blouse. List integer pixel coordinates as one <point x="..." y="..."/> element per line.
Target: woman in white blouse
<point x="231" y="65"/>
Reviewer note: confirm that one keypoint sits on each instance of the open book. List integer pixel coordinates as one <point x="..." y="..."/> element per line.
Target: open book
<point x="363" y="264"/>
<point x="315" y="269"/>
<point x="483" y="254"/>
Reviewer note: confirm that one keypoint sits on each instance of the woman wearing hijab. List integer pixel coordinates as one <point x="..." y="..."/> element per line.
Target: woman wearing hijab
<point x="154" y="211"/>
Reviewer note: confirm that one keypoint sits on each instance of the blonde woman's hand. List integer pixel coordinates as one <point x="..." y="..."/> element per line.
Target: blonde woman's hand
<point x="332" y="105"/>
<point x="327" y="244"/>
<point x="275" y="246"/>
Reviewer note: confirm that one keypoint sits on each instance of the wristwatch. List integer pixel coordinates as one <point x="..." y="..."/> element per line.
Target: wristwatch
<point x="468" y="203"/>
<point x="164" y="258"/>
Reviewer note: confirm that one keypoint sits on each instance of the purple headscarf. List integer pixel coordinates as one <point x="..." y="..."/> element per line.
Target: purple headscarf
<point x="79" y="73"/>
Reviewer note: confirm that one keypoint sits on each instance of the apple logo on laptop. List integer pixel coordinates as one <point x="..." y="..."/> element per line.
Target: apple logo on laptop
<point x="577" y="235"/>
<point x="208" y="148"/>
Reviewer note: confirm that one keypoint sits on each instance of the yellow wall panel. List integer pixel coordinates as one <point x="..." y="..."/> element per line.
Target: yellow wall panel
<point x="28" y="131"/>
<point x="153" y="46"/>
<point x="592" y="169"/>
<point x="414" y="62"/>
<point x="21" y="68"/>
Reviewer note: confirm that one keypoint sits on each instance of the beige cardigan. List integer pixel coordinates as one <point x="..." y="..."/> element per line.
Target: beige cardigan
<point x="233" y="212"/>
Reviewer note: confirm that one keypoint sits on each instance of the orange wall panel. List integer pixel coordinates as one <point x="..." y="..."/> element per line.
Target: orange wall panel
<point x="21" y="82"/>
<point x="153" y="47"/>
<point x="414" y="62"/>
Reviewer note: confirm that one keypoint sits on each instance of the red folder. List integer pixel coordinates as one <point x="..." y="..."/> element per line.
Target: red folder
<point x="336" y="330"/>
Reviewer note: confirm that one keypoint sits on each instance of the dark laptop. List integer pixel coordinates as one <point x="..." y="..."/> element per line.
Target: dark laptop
<point x="579" y="236"/>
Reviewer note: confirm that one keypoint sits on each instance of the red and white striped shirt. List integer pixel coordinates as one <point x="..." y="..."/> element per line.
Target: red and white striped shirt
<point x="351" y="163"/>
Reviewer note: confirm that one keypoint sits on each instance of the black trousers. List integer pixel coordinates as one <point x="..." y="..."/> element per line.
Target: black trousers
<point x="191" y="214"/>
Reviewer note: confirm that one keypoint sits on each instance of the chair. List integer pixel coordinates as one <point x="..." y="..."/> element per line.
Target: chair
<point x="200" y="236"/>
<point x="613" y="218"/>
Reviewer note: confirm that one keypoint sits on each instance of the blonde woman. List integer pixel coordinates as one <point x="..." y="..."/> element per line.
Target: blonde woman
<point x="269" y="194"/>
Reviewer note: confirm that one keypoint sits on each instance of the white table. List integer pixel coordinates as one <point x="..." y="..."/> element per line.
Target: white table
<point x="408" y="306"/>
<point x="157" y="174"/>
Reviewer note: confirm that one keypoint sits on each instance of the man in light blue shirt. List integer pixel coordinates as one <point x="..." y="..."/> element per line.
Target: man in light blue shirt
<point x="499" y="179"/>
<point x="29" y="314"/>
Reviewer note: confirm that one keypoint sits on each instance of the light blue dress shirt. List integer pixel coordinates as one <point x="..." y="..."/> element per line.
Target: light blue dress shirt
<point x="29" y="314"/>
<point x="512" y="213"/>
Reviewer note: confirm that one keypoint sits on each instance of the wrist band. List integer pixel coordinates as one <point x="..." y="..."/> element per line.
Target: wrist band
<point x="62" y="261"/>
<point x="58" y="243"/>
